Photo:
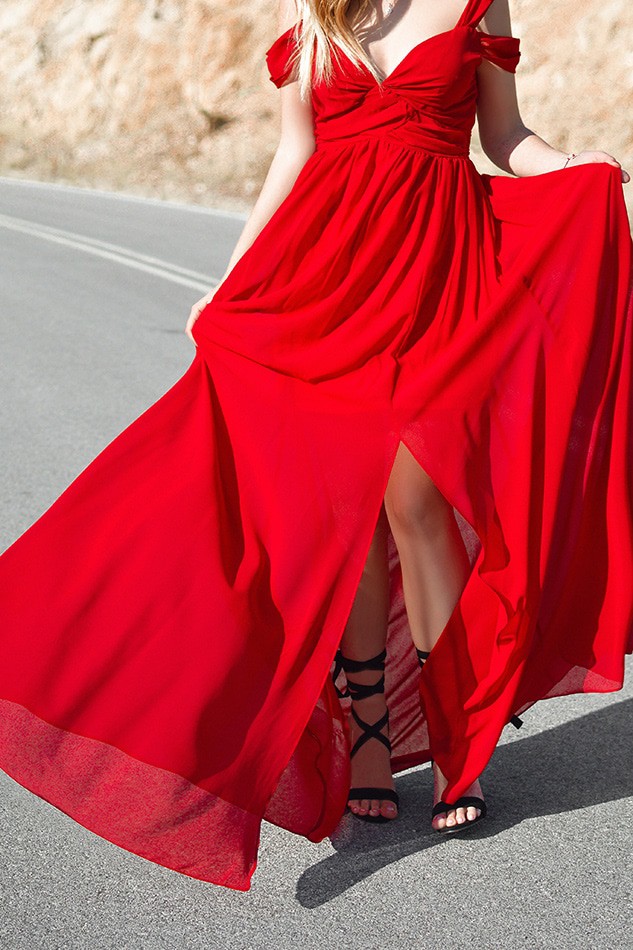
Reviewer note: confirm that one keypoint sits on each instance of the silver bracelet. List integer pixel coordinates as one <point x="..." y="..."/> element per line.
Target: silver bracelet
<point x="569" y="158"/>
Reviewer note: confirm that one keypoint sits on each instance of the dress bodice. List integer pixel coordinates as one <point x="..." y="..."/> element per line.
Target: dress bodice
<point x="428" y="101"/>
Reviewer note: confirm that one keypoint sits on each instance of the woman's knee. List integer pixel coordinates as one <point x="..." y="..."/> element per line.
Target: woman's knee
<point x="414" y="504"/>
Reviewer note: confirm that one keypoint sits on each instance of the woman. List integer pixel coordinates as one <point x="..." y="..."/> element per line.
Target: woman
<point x="430" y="546"/>
<point x="405" y="437"/>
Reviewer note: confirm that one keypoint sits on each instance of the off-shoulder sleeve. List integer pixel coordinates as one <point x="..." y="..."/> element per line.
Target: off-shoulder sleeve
<point x="501" y="50"/>
<point x="278" y="57"/>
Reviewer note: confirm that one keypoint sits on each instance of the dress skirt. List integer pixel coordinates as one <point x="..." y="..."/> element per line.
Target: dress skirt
<point x="168" y="626"/>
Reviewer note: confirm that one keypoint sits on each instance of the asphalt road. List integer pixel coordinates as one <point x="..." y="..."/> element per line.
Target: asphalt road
<point x="95" y="293"/>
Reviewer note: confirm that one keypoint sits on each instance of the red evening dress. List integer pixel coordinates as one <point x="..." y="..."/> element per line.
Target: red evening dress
<point x="168" y="625"/>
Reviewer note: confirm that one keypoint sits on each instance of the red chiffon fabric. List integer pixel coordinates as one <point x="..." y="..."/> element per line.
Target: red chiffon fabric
<point x="169" y="624"/>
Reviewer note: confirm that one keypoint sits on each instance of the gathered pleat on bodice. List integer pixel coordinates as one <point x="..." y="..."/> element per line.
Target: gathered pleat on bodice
<point x="428" y="101"/>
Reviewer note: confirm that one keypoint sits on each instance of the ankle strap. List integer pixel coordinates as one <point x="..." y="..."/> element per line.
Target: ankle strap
<point x="357" y="666"/>
<point x="360" y="690"/>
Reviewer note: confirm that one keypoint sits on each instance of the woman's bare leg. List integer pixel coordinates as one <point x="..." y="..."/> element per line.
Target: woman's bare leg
<point x="435" y="567"/>
<point x="364" y="637"/>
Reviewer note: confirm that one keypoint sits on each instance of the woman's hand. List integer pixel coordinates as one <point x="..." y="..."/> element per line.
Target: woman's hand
<point x="196" y="310"/>
<point x="587" y="157"/>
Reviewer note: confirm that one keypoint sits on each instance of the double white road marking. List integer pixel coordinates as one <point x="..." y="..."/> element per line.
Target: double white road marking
<point x="112" y="252"/>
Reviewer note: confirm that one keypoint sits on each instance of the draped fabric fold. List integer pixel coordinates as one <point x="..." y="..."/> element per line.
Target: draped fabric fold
<point x="501" y="50"/>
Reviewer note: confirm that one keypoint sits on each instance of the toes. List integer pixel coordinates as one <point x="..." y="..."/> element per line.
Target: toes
<point x="460" y="816"/>
<point x="374" y="807"/>
<point x="358" y="807"/>
<point x="454" y="817"/>
<point x="389" y="810"/>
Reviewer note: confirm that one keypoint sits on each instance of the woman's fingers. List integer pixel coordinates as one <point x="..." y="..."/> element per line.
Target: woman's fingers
<point x="587" y="156"/>
<point x="605" y="157"/>
<point x="189" y="326"/>
<point x="195" y="312"/>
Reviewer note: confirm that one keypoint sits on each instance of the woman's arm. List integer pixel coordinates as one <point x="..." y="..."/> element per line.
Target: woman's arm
<point x="504" y="137"/>
<point x="296" y="144"/>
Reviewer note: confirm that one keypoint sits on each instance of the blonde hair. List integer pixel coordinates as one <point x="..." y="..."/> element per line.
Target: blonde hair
<point x="328" y="22"/>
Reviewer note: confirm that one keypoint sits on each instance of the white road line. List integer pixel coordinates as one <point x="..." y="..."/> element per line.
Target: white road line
<point x="112" y="252"/>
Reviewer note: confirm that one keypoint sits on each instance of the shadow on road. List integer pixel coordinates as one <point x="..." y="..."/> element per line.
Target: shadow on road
<point x="580" y="763"/>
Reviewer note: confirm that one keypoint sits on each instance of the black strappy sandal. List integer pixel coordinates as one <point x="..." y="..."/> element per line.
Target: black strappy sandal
<point x="370" y="730"/>
<point x="466" y="800"/>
